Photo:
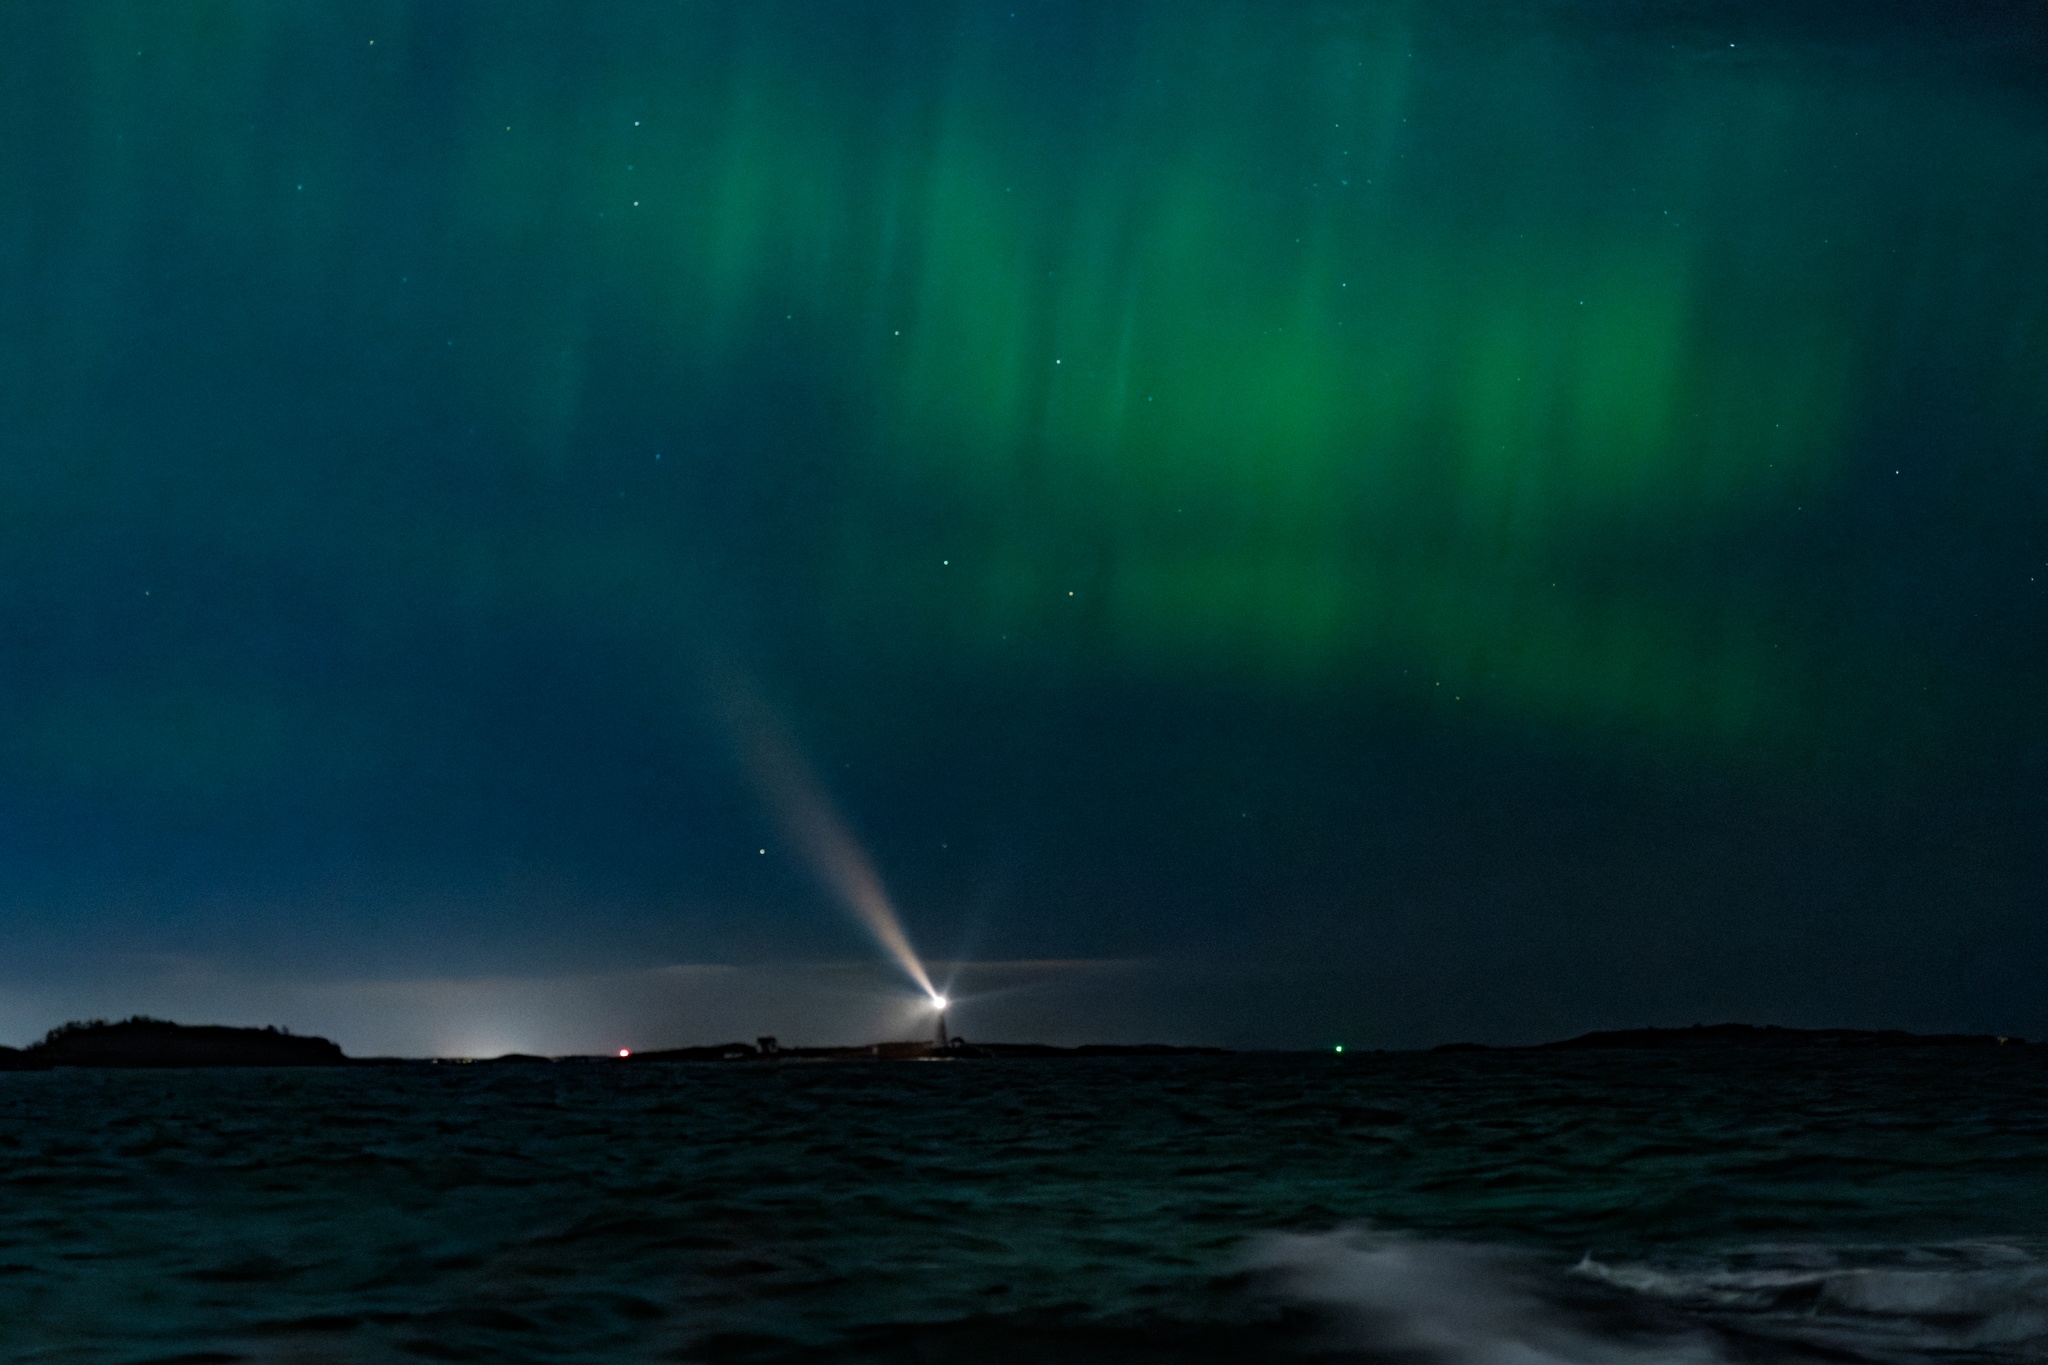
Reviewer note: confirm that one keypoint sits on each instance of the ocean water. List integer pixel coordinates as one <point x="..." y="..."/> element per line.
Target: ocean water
<point x="1490" y="1209"/>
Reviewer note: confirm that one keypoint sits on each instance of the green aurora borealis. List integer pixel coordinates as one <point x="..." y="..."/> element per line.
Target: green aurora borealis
<point x="1654" y="384"/>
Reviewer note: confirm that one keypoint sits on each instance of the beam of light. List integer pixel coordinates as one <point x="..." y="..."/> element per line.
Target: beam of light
<point x="786" y="782"/>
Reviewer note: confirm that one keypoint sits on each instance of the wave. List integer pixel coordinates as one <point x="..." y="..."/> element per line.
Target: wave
<point x="1968" y="1300"/>
<point x="1391" y="1296"/>
<point x="1423" y="1301"/>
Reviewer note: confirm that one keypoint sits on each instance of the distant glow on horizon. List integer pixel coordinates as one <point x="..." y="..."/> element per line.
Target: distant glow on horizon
<point x="627" y="1052"/>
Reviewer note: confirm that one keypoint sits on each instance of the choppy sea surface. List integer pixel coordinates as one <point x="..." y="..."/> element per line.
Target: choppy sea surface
<point x="1500" y="1209"/>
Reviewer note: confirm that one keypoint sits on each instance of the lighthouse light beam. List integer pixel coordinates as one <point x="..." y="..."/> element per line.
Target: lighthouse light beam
<point x="813" y="824"/>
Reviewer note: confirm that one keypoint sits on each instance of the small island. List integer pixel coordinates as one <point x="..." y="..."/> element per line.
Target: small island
<point x="144" y="1042"/>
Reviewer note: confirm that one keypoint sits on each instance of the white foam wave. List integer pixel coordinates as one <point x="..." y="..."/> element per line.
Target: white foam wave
<point x="1450" y="1303"/>
<point x="1441" y="1302"/>
<point x="1978" y="1300"/>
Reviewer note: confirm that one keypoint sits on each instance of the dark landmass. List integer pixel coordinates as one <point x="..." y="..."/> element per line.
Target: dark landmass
<point x="1751" y="1036"/>
<point x="723" y="1052"/>
<point x="1097" y="1050"/>
<point x="767" y="1049"/>
<point x="145" y="1042"/>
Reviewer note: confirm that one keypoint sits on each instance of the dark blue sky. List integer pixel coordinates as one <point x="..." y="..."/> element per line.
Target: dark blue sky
<point x="1383" y="524"/>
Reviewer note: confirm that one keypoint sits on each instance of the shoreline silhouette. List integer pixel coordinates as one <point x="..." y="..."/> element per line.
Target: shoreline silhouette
<point x="143" y="1042"/>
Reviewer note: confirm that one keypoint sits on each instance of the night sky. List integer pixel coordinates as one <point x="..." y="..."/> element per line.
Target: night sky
<point x="1271" y="525"/>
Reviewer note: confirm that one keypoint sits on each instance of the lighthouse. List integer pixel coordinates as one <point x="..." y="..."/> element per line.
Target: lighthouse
<point x="939" y="1002"/>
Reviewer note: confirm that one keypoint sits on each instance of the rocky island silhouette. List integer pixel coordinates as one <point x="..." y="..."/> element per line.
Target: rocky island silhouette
<point x="141" y="1041"/>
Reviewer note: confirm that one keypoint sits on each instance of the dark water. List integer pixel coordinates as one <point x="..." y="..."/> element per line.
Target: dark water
<point x="1495" y="1209"/>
